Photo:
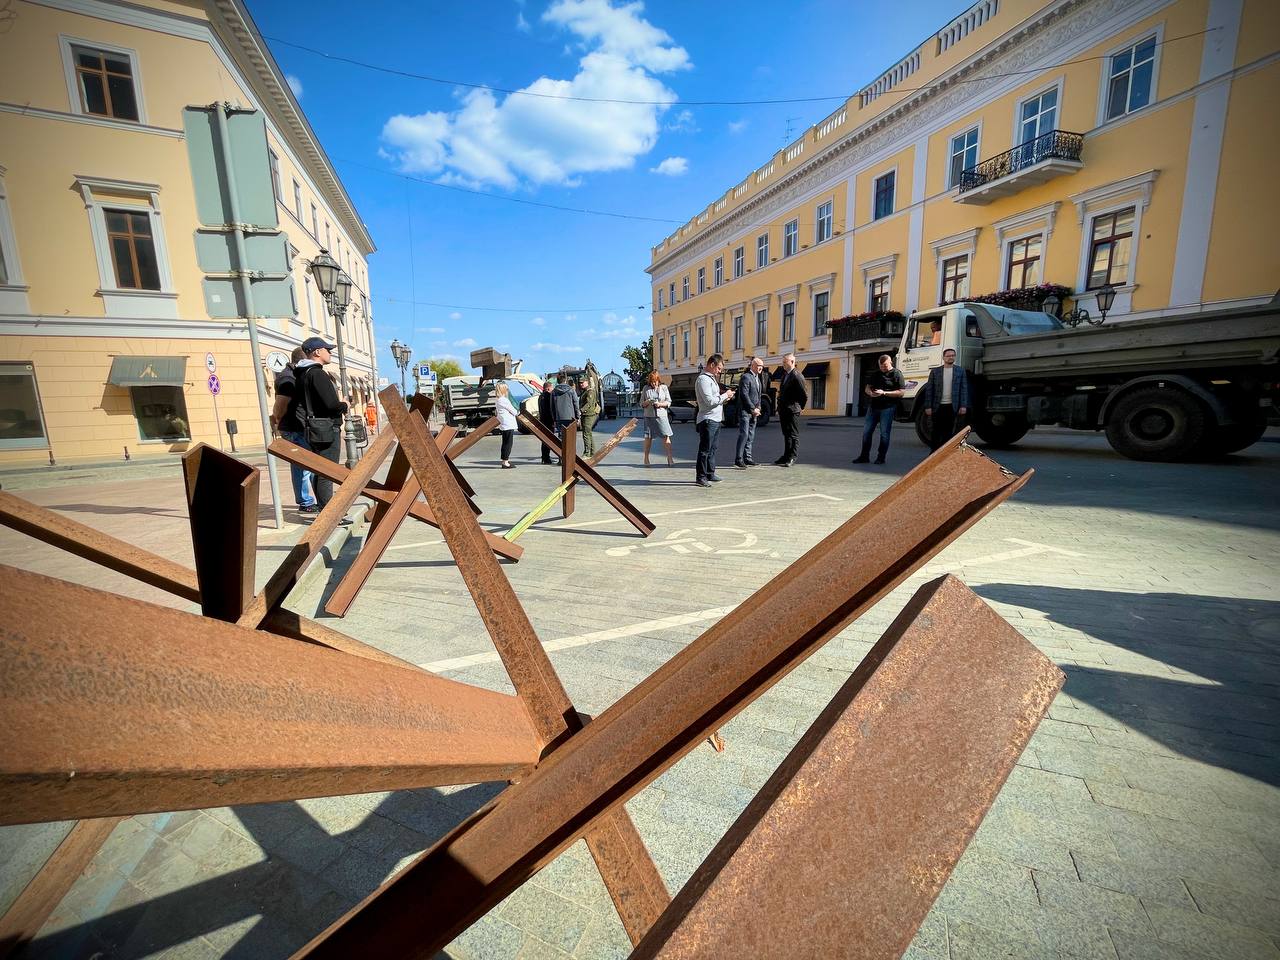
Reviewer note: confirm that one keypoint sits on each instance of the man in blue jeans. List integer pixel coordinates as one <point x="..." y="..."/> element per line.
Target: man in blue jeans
<point x="884" y="387"/>
<point x="289" y="429"/>
<point x="710" y="416"/>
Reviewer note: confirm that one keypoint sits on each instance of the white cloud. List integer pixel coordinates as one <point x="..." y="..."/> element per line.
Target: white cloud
<point x="445" y="356"/>
<point x="439" y="344"/>
<point x="455" y="315"/>
<point x="737" y="126"/>
<point x="521" y="23"/>
<point x="539" y="140"/>
<point x="465" y="342"/>
<point x="541" y="347"/>
<point x="435" y="329"/>
<point x="683" y="122"/>
<point x="294" y="84"/>
<point x="672" y="167"/>
<point x="538" y="322"/>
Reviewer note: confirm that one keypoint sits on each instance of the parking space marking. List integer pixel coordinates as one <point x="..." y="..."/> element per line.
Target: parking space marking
<point x="1029" y="548"/>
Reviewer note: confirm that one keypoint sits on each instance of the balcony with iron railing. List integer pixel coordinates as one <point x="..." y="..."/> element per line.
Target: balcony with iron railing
<point x="1047" y="156"/>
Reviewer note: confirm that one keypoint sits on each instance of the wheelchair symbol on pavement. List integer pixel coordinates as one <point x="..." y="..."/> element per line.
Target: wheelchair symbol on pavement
<point x="684" y="541"/>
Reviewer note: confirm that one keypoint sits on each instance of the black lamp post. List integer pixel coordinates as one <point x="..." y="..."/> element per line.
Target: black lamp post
<point x="335" y="287"/>
<point x="401" y="353"/>
<point x="1052" y="305"/>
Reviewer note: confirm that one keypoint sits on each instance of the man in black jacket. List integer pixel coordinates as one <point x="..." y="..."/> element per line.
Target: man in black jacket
<point x="793" y="397"/>
<point x="316" y="408"/>
<point x="546" y="416"/>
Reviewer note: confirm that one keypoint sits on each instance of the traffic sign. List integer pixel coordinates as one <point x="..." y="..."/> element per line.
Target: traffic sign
<point x="424" y="370"/>
<point x="210" y="364"/>
<point x="215" y="385"/>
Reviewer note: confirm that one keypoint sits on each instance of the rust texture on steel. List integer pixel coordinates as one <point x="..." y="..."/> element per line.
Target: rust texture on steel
<point x="93" y="683"/>
<point x="896" y="774"/>
<point x="28" y="913"/>
<point x="660" y="720"/>
<point x="585" y="472"/>
<point x="568" y="463"/>
<point x="222" y="506"/>
<point x="398" y="469"/>
<point x="608" y="447"/>
<point x="96" y="546"/>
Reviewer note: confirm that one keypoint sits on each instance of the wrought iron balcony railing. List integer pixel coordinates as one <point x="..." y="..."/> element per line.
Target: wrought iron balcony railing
<point x="867" y="331"/>
<point x="1054" y="145"/>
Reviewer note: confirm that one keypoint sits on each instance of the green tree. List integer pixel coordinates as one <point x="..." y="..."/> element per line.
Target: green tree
<point x="445" y="368"/>
<point x="639" y="360"/>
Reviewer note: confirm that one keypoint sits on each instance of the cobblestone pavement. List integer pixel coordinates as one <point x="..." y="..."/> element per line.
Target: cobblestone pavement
<point x="1143" y="820"/>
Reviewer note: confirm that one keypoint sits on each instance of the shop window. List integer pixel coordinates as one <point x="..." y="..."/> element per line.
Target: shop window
<point x="817" y="393"/>
<point x="161" y="413"/>
<point x="21" y="419"/>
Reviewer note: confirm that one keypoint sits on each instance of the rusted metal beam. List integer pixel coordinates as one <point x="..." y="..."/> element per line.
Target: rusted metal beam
<point x="286" y="623"/>
<point x="113" y="706"/>
<point x="587" y="473"/>
<point x="664" y="717"/>
<point x="222" y="506"/>
<point x="889" y="784"/>
<point x="398" y="469"/>
<point x="28" y="913"/>
<point x="625" y="866"/>
<point x="94" y="545"/>
<point x="568" y="463"/>
<point x="309" y="545"/>
<point x="612" y="442"/>
<point x="472" y="438"/>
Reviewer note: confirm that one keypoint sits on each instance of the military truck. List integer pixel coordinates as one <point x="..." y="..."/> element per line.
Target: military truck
<point x="1166" y="389"/>
<point x="468" y="403"/>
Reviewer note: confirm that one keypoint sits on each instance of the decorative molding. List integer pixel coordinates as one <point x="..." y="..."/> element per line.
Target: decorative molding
<point x="1140" y="184"/>
<point x="966" y="238"/>
<point x="1047" y="214"/>
<point x="879" y="267"/>
<point x="792" y="291"/>
<point x="148" y="196"/>
<point x="818" y="284"/>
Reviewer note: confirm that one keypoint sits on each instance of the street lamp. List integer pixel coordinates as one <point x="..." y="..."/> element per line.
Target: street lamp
<point x="1106" y="297"/>
<point x="400" y="353"/>
<point x="335" y="287"/>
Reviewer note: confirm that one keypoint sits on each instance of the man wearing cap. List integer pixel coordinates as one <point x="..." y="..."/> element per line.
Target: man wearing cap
<point x="316" y="408"/>
<point x="288" y="427"/>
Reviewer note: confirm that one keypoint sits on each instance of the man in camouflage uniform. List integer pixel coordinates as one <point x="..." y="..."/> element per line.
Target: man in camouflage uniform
<point x="589" y="402"/>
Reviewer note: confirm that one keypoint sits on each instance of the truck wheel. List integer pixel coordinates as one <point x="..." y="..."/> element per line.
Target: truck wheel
<point x="1157" y="423"/>
<point x="1234" y="437"/>
<point x="1003" y="434"/>
<point x="922" y="427"/>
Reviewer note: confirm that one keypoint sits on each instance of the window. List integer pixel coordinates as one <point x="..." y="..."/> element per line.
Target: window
<point x="686" y="344"/>
<point x="817" y="392"/>
<point x="884" y="195"/>
<point x="823" y="230"/>
<point x="276" y="190"/>
<point x="673" y="348"/>
<point x="662" y="350"/>
<point x="315" y="223"/>
<point x="1109" y="249"/>
<point x="702" y="341"/>
<point x="702" y="279"/>
<point x="161" y="413"/>
<point x="737" y="333"/>
<point x="1038" y="116"/>
<point x="739" y="256"/>
<point x="791" y="238"/>
<point x="684" y="289"/>
<point x="762" y="326"/>
<point x="105" y="83"/>
<point x="955" y="279"/>
<point x="789" y="322"/>
<point x="328" y="237"/>
<point x="133" y="249"/>
<point x="671" y="299"/>
<point x="719" y="271"/>
<point x="1130" y="81"/>
<point x="964" y="155"/>
<point x="821" y="311"/>
<point x="1024" y="263"/>
<point x="4" y="269"/>
<point x="762" y="250"/>
<point x="925" y="332"/>
<point x="661" y="306"/>
<point x="21" y="419"/>
<point x="878" y="294"/>
<point x="297" y="201"/>
<point x="719" y="337"/>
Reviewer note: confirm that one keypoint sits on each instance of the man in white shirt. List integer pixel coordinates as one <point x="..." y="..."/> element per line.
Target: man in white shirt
<point x="710" y="415"/>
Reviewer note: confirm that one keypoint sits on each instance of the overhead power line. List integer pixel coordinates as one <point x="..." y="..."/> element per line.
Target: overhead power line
<point x="533" y="310"/>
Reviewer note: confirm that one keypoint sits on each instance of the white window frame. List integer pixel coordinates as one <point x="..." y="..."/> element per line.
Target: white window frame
<point x="819" y="234"/>
<point x="739" y="262"/>
<point x="951" y="142"/>
<point x="65" y="43"/>
<point x="782" y="316"/>
<point x="756" y="310"/>
<point x="791" y="238"/>
<point x="1133" y="192"/>
<point x="718" y="271"/>
<point x="875" y="180"/>
<point x="1019" y="227"/>
<point x="661" y="304"/>
<point x="684" y="288"/>
<point x="1059" y="85"/>
<point x="671" y="294"/>
<point x="762" y="250"/>
<point x="702" y="340"/>
<point x="1007" y="256"/>
<point x="297" y="201"/>
<point x="888" y="289"/>
<point x="702" y="279"/>
<point x="136" y="198"/>
<point x="1104" y="82"/>
<point x="686" y="343"/>
<point x="13" y="295"/>
<point x="29" y="443"/>
<point x="739" y="332"/>
<point x="717" y="335"/>
<point x="946" y="248"/>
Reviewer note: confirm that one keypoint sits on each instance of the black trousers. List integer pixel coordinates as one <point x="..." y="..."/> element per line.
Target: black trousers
<point x="790" y="423"/>
<point x="546" y="451"/>
<point x="508" y="438"/>
<point x="323" y="485"/>
<point x="944" y="425"/>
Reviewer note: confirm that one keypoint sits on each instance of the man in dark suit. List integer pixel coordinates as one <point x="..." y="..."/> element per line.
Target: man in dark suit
<point x="946" y="399"/>
<point x="793" y="397"/>
<point x="546" y="416"/>
<point x="748" y="411"/>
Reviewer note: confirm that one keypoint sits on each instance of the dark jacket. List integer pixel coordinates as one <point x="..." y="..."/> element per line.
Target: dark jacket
<point x="564" y="403"/>
<point x="748" y="395"/>
<point x="286" y="385"/>
<point x="545" y="413"/>
<point x="959" y="388"/>
<point x="792" y="393"/>
<point x="321" y="396"/>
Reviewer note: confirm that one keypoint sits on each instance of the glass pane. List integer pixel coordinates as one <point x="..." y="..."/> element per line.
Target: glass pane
<point x="1121" y="62"/>
<point x="148" y="270"/>
<point x="124" y="263"/>
<point x="19" y="407"/>
<point x="117" y="221"/>
<point x="141" y="224"/>
<point x="1146" y="50"/>
<point x="95" y="97"/>
<point x="1124" y="221"/>
<point x="1048" y="100"/>
<point x="84" y="58"/>
<point x="1140" y="88"/>
<point x="123" y="103"/>
<point x="1101" y="264"/>
<point x="1120" y="260"/>
<point x="1030" y="108"/>
<point x="957" y="165"/>
<point x="1033" y="246"/>
<point x="1032" y="274"/>
<point x="161" y="413"/>
<point x="118" y="64"/>
<point x="1117" y="96"/>
<point x="1102" y="226"/>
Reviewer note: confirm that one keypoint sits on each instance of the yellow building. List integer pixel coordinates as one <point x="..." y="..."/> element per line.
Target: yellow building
<point x="119" y="289"/>
<point x="1074" y="142"/>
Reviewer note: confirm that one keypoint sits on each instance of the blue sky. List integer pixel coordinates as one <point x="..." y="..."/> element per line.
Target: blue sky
<point x="565" y="286"/>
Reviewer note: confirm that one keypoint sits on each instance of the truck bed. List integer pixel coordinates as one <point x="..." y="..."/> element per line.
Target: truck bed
<point x="1239" y="337"/>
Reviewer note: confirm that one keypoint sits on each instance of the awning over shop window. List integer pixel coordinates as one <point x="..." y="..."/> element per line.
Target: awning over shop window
<point x="818" y="369"/>
<point x="148" y="371"/>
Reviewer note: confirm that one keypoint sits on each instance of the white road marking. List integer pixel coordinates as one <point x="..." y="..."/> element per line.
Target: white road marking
<point x="1030" y="549"/>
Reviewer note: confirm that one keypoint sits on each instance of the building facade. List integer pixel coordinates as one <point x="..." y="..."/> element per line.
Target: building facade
<point x="117" y="292"/>
<point x="1080" y="143"/>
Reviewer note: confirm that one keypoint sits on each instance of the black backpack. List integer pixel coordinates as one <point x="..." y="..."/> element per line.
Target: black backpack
<point x="318" y="431"/>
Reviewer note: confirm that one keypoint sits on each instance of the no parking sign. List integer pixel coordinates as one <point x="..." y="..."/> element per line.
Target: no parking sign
<point x="215" y="385"/>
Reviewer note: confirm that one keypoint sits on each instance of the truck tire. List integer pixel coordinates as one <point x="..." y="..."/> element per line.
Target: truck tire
<point x="1004" y="434"/>
<point x="1234" y="437"/>
<point x="922" y="427"/>
<point x="1161" y="424"/>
